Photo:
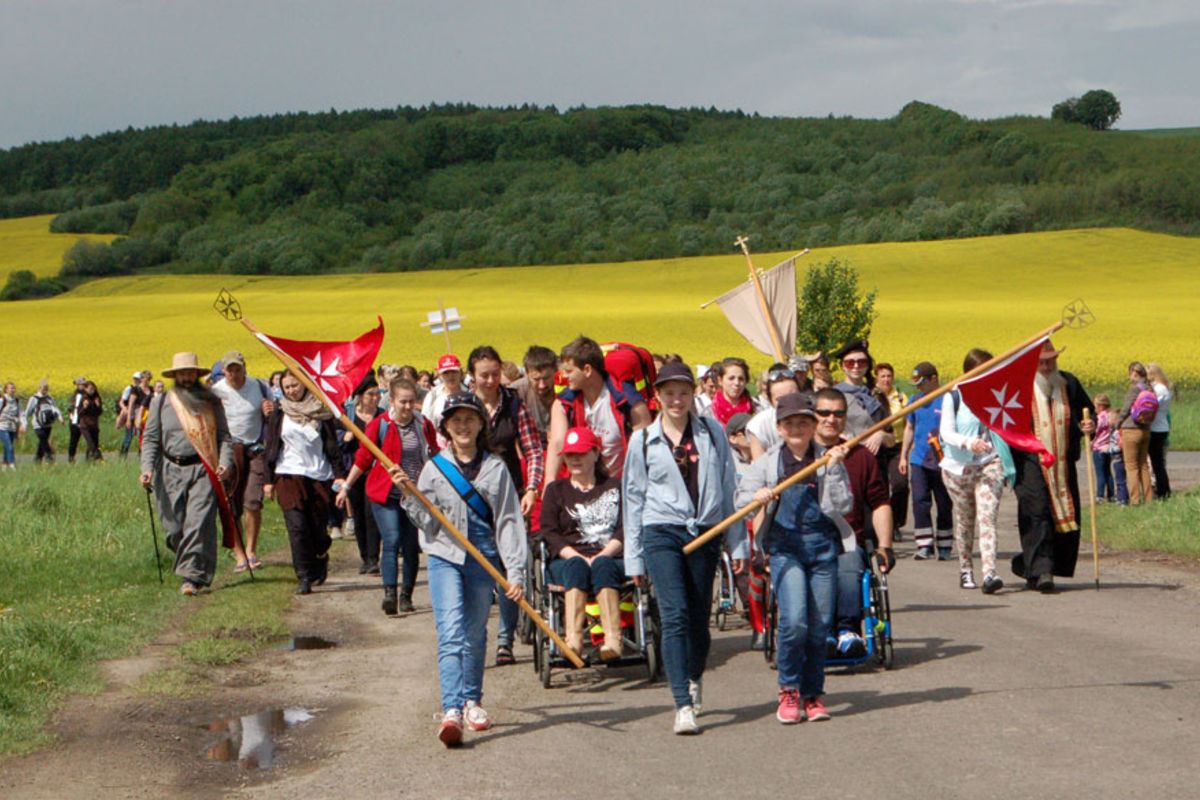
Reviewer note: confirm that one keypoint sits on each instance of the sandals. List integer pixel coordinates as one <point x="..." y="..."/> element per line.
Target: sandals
<point x="242" y="566"/>
<point x="255" y="562"/>
<point x="504" y="657"/>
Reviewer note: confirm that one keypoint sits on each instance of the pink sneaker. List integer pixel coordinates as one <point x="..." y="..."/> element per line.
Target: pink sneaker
<point x="814" y="710"/>
<point x="450" y="732"/>
<point x="476" y="718"/>
<point x="789" y="707"/>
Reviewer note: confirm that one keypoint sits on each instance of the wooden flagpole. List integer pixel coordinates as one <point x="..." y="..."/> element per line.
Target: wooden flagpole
<point x="762" y="302"/>
<point x="1091" y="473"/>
<point x="779" y="488"/>
<point x="411" y="488"/>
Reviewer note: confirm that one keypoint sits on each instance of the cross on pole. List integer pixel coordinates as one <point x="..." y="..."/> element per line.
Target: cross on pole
<point x="444" y="321"/>
<point x="768" y="319"/>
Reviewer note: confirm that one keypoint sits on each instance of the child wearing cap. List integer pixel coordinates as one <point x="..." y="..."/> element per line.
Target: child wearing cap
<point x="450" y="377"/>
<point x="679" y="480"/>
<point x="473" y="489"/>
<point x="801" y="542"/>
<point x="581" y="522"/>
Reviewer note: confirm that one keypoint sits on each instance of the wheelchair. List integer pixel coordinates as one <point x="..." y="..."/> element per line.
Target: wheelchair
<point x="640" y="629"/>
<point x="724" y="592"/>
<point x="877" y="622"/>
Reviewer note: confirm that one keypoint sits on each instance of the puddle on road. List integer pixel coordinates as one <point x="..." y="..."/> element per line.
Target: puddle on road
<point x="250" y="740"/>
<point x="308" y="643"/>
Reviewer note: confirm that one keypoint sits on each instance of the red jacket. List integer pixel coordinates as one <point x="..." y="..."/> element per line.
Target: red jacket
<point x="379" y="483"/>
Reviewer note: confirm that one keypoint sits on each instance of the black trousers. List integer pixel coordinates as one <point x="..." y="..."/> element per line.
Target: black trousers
<point x="306" y="521"/>
<point x="44" y="449"/>
<point x="1158" y="463"/>
<point x="1043" y="550"/>
<point x="366" y="531"/>
<point x="73" y="442"/>
<point x="92" y="437"/>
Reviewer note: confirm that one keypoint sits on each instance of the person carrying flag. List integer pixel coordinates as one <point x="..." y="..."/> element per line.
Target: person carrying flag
<point x="186" y="451"/>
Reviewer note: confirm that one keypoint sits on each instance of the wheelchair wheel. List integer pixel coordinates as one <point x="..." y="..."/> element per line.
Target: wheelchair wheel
<point x="886" y="654"/>
<point x="542" y="656"/>
<point x="653" y="645"/>
<point x="722" y="618"/>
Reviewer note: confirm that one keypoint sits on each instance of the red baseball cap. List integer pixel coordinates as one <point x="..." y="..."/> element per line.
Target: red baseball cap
<point x="449" y="362"/>
<point x="580" y="440"/>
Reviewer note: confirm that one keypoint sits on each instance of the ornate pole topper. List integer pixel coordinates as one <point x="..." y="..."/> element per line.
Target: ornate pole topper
<point x="443" y="321"/>
<point x="1075" y="314"/>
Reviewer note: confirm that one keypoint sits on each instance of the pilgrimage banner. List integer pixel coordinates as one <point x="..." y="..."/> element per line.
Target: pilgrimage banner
<point x="742" y="309"/>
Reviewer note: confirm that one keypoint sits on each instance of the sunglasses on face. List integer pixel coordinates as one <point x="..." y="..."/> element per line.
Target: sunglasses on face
<point x="855" y="362"/>
<point x="825" y="412"/>
<point x="780" y="375"/>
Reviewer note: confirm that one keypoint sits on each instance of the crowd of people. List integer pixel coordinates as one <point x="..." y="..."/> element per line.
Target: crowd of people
<point x="618" y="475"/>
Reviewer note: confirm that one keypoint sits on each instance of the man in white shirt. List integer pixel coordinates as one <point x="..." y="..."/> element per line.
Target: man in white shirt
<point x="761" y="430"/>
<point x="247" y="405"/>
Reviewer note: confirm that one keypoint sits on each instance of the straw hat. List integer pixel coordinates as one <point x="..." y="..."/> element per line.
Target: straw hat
<point x="183" y="361"/>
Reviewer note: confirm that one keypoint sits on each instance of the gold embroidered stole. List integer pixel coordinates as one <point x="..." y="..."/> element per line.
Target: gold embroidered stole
<point x="1051" y="421"/>
<point x="200" y="429"/>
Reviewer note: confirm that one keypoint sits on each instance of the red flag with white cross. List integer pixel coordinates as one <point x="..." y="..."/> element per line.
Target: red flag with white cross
<point x="1002" y="399"/>
<point x="336" y="368"/>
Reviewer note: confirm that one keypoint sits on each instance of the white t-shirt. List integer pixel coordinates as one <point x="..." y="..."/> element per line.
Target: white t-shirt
<point x="1162" y="422"/>
<point x="762" y="425"/>
<point x="243" y="409"/>
<point x="600" y="418"/>
<point x="301" y="452"/>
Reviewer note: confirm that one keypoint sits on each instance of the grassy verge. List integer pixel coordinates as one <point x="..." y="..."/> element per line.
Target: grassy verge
<point x="78" y="585"/>
<point x="1167" y="526"/>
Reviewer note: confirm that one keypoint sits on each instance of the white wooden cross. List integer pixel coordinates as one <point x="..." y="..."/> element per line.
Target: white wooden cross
<point x="444" y="320"/>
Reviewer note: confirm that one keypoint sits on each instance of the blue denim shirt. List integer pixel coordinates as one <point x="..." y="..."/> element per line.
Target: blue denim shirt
<point x="653" y="491"/>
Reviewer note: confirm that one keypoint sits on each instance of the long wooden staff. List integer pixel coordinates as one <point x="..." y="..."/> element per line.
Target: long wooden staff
<point x="779" y="488"/>
<point x="1091" y="471"/>
<point x="388" y="464"/>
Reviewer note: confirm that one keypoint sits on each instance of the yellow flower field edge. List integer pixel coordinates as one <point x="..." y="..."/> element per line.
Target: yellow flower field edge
<point x="27" y="243"/>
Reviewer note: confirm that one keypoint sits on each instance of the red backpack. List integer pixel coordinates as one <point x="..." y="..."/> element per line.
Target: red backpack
<point x="628" y="363"/>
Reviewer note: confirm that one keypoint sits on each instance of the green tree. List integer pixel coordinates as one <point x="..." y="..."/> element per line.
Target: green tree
<point x="831" y="312"/>
<point x="1098" y="109"/>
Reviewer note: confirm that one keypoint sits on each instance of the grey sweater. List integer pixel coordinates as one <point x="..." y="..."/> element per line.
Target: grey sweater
<point x="496" y="487"/>
<point x="164" y="435"/>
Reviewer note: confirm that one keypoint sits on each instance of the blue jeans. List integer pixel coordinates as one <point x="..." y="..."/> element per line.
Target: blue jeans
<point x="804" y="578"/>
<point x="509" y="611"/>
<point x="6" y="437"/>
<point x="1106" y="485"/>
<point x="126" y="441"/>
<point x="683" y="590"/>
<point x="575" y="573"/>
<point x="850" y="568"/>
<point x="1118" y="465"/>
<point x="462" y="598"/>
<point x="398" y="537"/>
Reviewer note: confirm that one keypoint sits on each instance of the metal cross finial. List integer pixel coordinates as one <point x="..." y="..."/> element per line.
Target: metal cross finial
<point x="1076" y="314"/>
<point x="227" y="306"/>
<point x="741" y="242"/>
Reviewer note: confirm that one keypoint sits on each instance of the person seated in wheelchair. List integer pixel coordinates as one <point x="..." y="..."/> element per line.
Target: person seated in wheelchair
<point x="801" y="543"/>
<point x="871" y="516"/>
<point x="581" y="524"/>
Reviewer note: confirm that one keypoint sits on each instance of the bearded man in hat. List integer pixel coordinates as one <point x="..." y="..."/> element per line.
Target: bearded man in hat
<point x="186" y="452"/>
<point x="1048" y="497"/>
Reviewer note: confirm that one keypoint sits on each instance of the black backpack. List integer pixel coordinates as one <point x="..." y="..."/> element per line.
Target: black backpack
<point x="44" y="414"/>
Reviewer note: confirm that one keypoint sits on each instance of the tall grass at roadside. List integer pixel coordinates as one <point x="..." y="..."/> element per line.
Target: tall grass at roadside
<point x="78" y="585"/>
<point x="1167" y="525"/>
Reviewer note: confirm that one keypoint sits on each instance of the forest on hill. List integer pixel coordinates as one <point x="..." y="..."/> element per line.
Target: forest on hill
<point x="461" y="186"/>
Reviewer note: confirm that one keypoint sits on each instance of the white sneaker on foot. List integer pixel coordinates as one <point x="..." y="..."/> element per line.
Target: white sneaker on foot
<point x="696" y="690"/>
<point x="685" y="721"/>
<point x="966" y="579"/>
<point x="476" y="718"/>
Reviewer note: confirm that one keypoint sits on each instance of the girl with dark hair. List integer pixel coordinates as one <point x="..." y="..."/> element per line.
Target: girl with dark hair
<point x="90" y="409"/>
<point x="731" y="396"/>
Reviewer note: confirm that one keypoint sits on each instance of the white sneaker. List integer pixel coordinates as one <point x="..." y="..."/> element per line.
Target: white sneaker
<point x="335" y="532"/>
<point x="966" y="579"/>
<point x="696" y="690"/>
<point x="685" y="721"/>
<point x="348" y="528"/>
<point x="476" y="718"/>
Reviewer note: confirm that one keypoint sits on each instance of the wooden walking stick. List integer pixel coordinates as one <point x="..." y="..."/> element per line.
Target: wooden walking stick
<point x="779" y="488"/>
<point x="1091" y="473"/>
<point x="411" y="488"/>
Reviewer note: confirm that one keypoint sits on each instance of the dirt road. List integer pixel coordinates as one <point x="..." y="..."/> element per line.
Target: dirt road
<point x="1085" y="693"/>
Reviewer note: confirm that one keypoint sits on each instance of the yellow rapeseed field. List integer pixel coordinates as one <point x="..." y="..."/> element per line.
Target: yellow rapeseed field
<point x="26" y="243"/>
<point x="936" y="300"/>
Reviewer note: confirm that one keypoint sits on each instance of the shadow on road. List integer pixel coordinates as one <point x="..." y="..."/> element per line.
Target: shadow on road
<point x="910" y="652"/>
<point x="596" y="715"/>
<point x="863" y="702"/>
<point x="934" y="607"/>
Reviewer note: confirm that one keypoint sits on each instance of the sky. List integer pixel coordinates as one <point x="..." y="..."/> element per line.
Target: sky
<point x="75" y="67"/>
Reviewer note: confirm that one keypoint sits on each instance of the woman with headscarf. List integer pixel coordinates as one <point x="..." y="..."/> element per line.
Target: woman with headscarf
<point x="303" y="458"/>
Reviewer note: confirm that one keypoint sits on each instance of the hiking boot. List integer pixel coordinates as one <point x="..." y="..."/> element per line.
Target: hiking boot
<point x="373" y="566"/>
<point x="696" y="690"/>
<point x="851" y="645"/>
<point x="389" y="601"/>
<point x="966" y="579"/>
<point x="1045" y="583"/>
<point x="406" y="603"/>
<point x="685" y="721"/>
<point x="814" y="710"/>
<point x="789" y="707"/>
<point x="450" y="730"/>
<point x="303" y="587"/>
<point x="923" y="554"/>
<point x="992" y="583"/>
<point x="475" y="717"/>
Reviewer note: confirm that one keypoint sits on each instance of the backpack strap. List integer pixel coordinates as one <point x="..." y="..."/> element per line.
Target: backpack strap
<point x="466" y="490"/>
<point x="383" y="427"/>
